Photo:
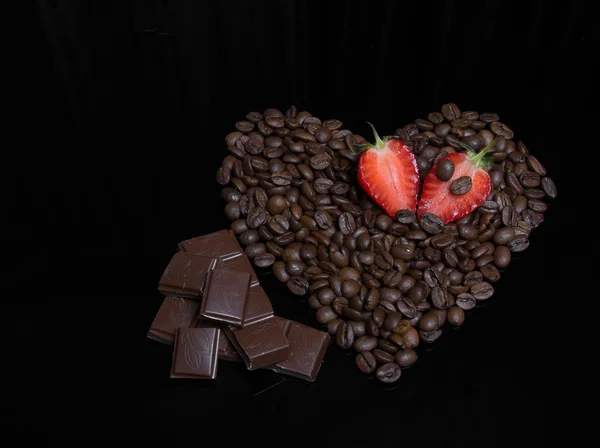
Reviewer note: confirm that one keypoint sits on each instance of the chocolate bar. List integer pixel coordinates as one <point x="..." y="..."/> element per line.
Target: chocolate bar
<point x="217" y="244"/>
<point x="185" y="275"/>
<point x="225" y="296"/>
<point x="306" y="351"/>
<point x="258" y="307"/>
<point x="237" y="263"/>
<point x="227" y="351"/>
<point x="174" y="313"/>
<point x="260" y="344"/>
<point x="195" y="353"/>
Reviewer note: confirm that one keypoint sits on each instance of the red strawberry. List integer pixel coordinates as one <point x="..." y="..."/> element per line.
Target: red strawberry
<point x="436" y="196"/>
<point x="388" y="172"/>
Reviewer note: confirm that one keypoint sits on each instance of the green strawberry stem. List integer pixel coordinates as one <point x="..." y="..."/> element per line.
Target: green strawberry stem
<point x="479" y="159"/>
<point x="379" y="144"/>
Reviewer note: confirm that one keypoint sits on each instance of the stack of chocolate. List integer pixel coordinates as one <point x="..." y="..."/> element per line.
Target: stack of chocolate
<point x="215" y="309"/>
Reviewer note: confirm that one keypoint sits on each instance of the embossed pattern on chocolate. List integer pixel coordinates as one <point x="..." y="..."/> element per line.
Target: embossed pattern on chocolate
<point x="237" y="263"/>
<point x="217" y="244"/>
<point x="185" y="275"/>
<point x="226" y="296"/>
<point x="174" y="313"/>
<point x="260" y="344"/>
<point x="195" y="353"/>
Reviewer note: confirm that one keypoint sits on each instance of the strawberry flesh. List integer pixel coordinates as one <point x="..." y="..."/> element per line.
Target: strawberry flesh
<point x="436" y="197"/>
<point x="388" y="172"/>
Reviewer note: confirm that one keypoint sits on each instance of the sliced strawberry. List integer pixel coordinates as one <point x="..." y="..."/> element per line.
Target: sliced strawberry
<point x="388" y="172"/>
<point x="436" y="197"/>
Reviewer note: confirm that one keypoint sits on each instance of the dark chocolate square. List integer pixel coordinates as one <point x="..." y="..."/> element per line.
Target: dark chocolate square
<point x="217" y="244"/>
<point x="225" y="296"/>
<point x="185" y="275"/>
<point x="238" y="262"/>
<point x="307" y="350"/>
<point x="260" y="344"/>
<point x="258" y="307"/>
<point x="195" y="353"/>
<point x="174" y="313"/>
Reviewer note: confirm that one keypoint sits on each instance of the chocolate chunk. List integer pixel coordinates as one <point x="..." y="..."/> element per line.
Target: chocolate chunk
<point x="237" y="262"/>
<point x="307" y="349"/>
<point x="195" y="353"/>
<point x="185" y="275"/>
<point x="258" y="307"/>
<point x="217" y="244"/>
<point x="260" y="344"/>
<point x="227" y="351"/>
<point x="225" y="296"/>
<point x="174" y="313"/>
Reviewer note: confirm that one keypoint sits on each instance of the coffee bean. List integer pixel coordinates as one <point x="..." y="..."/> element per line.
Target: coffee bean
<point x="350" y="288"/>
<point x="488" y="117"/>
<point x="352" y="314"/>
<point x="482" y="291"/>
<point x="431" y="224"/>
<point x="249" y="237"/>
<point x="365" y="343"/>
<point x="519" y="243"/>
<point x="502" y="256"/>
<point x="484" y="260"/>
<point x="264" y="260"/>
<point x="439" y="297"/>
<point x="346" y="223"/>
<point x="406" y="216"/>
<point x="392" y="320"/>
<point x="461" y="186"/>
<point x="388" y="373"/>
<point x="345" y="336"/>
<point x="429" y="322"/>
<point x="442" y="240"/>
<point x="465" y="301"/>
<point x="430" y="336"/>
<point x="295" y="268"/>
<point x="366" y="362"/>
<point x="504" y="236"/>
<point x="456" y="316"/>
<point x="325" y="314"/>
<point x="297" y="285"/>
<point x="548" y="187"/>
<point x="406" y="358"/>
<point x="320" y="161"/>
<point x="450" y="111"/>
<point x="444" y="169"/>
<point x="501" y="129"/>
<point x="382" y="356"/>
<point x="490" y="272"/>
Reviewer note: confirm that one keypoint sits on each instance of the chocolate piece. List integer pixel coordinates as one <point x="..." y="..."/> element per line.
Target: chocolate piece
<point x="185" y="275"/>
<point x="260" y="344"/>
<point x="226" y="296"/>
<point x="174" y="313"/>
<point x="238" y="262"/>
<point x="227" y="351"/>
<point x="307" y="349"/>
<point x="217" y="244"/>
<point x="195" y="353"/>
<point x="258" y="307"/>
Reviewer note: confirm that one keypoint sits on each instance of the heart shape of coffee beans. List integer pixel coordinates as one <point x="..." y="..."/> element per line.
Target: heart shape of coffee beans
<point x="381" y="286"/>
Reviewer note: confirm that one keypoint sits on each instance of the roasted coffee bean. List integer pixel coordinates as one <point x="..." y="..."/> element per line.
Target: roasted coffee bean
<point x="456" y="316"/>
<point x="490" y="273"/>
<point x="497" y="178"/>
<point x="467" y="232"/>
<point x="548" y="187"/>
<point x="488" y="117"/>
<point x="382" y="356"/>
<point x="366" y="362"/>
<point x="406" y="216"/>
<point x="430" y="336"/>
<point x="439" y="297"/>
<point x="384" y="260"/>
<point x="482" y="291"/>
<point x="530" y="179"/>
<point x="346" y="223"/>
<point x="472" y="278"/>
<point x="317" y="285"/>
<point x="295" y="268"/>
<point x="281" y="177"/>
<point x="388" y="373"/>
<point x="239" y="226"/>
<point x="232" y="210"/>
<point x="465" y="301"/>
<point x="339" y="303"/>
<point x="484" y="260"/>
<point x="453" y="141"/>
<point x="458" y="289"/>
<point x="424" y="125"/>
<point x="442" y="240"/>
<point x="297" y="285"/>
<point x="534" y="164"/>
<point x="461" y="186"/>
<point x="502" y="256"/>
<point x="392" y="320"/>
<point x="372" y="299"/>
<point x="429" y="322"/>
<point x="351" y="313"/>
<point x="509" y="216"/>
<point x="256" y="217"/>
<point x="444" y="169"/>
<point x="249" y="237"/>
<point x="278" y="225"/>
<point x="372" y="329"/>
<point x="365" y="343"/>
<point x="406" y="358"/>
<point x="345" y="336"/>
<point x="519" y="243"/>
<point x="325" y="314"/>
<point x="450" y="111"/>
<point x="229" y="194"/>
<point x="404" y="252"/>
<point x="320" y="161"/>
<point x="326" y="296"/>
<point x="350" y="288"/>
<point x="502" y="130"/>
<point x="504" y="236"/>
<point x="264" y="260"/>
<point x="442" y="129"/>
<point x="285" y="239"/>
<point x="517" y="158"/>
<point x="274" y="248"/>
<point x="431" y="224"/>
<point x="416" y="235"/>
<point x="333" y="325"/>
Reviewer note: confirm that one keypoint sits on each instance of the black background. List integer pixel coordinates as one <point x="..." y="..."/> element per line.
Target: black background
<point x="129" y="128"/>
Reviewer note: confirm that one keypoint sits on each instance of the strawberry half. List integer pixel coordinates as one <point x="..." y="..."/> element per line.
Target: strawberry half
<point x="436" y="196"/>
<point x="388" y="172"/>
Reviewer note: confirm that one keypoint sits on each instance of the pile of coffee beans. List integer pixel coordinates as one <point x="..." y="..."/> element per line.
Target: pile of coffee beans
<point x="380" y="285"/>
